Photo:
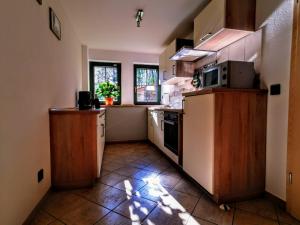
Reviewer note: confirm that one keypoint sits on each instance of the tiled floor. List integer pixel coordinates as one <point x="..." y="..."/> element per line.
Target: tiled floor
<point x="139" y="186"/>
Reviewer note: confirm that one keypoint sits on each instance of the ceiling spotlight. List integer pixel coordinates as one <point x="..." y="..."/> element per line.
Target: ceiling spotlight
<point x="139" y="17"/>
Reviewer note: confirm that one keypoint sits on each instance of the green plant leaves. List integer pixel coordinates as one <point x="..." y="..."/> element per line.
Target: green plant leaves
<point x="108" y="90"/>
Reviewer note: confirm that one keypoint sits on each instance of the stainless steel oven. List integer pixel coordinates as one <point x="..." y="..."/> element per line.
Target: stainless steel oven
<point x="171" y="131"/>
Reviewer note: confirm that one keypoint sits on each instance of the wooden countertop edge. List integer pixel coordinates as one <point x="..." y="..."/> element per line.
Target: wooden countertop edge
<point x="166" y="110"/>
<point x="124" y="106"/>
<point x="223" y="90"/>
<point x="75" y="110"/>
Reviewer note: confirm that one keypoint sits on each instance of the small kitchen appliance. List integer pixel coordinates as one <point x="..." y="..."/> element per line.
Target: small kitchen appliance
<point x="84" y="101"/>
<point x="229" y="74"/>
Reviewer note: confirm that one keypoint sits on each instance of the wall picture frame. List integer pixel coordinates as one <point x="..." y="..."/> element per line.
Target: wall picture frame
<point x="55" y="25"/>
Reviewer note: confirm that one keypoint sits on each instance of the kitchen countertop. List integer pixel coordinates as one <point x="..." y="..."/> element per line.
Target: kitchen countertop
<point x="165" y="109"/>
<point x="222" y="90"/>
<point x="75" y="110"/>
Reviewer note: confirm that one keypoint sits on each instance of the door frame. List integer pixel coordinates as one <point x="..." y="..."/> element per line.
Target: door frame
<point x="294" y="94"/>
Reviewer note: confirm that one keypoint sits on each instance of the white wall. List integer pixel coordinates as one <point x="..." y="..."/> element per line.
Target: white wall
<point x="85" y="67"/>
<point x="36" y="72"/>
<point x="275" y="16"/>
<point x="127" y="59"/>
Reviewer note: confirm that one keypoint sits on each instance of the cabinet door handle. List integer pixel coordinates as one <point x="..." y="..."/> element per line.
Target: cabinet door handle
<point x="173" y="70"/>
<point x="102" y="125"/>
<point x="206" y="36"/>
<point x="161" y="125"/>
<point x="183" y="101"/>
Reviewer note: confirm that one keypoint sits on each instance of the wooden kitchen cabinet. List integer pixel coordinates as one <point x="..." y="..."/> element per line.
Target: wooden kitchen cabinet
<point x="171" y="69"/>
<point x="223" y="22"/>
<point x="156" y="132"/>
<point x="198" y="139"/>
<point x="151" y="126"/>
<point x="100" y="140"/>
<point x="76" y="144"/>
<point x="224" y="142"/>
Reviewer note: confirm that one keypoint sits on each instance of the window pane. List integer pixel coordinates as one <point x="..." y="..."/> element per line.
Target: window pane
<point x="103" y="74"/>
<point x="147" y="89"/>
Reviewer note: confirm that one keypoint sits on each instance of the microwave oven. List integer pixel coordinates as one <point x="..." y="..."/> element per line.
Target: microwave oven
<point x="229" y="74"/>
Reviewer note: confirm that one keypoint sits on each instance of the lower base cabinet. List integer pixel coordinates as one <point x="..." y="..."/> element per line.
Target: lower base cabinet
<point x="100" y="140"/>
<point x="77" y="143"/>
<point x="224" y="142"/>
<point x="156" y="132"/>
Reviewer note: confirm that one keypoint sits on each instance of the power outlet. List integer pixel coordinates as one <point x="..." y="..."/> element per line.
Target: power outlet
<point x="275" y="89"/>
<point x="40" y="175"/>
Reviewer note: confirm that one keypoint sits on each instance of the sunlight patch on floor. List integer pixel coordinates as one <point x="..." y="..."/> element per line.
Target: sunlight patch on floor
<point x="167" y="202"/>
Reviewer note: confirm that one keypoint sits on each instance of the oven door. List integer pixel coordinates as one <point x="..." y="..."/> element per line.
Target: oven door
<point x="171" y="135"/>
<point x="211" y="77"/>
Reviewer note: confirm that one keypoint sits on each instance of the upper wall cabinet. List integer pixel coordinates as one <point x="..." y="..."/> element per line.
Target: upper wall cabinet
<point x="170" y="69"/>
<point x="223" y="22"/>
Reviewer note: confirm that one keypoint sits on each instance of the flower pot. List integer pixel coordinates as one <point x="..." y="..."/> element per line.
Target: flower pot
<point x="109" y="101"/>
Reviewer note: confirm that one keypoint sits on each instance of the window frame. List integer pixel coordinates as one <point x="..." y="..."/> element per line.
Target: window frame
<point x="92" y="64"/>
<point x="135" y="67"/>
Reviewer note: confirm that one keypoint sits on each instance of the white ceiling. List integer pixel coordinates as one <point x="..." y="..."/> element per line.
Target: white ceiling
<point x="110" y="24"/>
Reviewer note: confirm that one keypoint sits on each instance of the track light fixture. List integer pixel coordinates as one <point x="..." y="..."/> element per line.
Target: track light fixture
<point x="139" y="17"/>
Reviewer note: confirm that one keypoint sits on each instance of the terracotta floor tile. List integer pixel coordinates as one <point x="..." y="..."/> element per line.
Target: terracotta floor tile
<point x="285" y="218"/>
<point x="153" y="192"/>
<point x="172" y="172"/>
<point x="42" y="218"/>
<point x="245" y="218"/>
<point x="164" y="215"/>
<point x="178" y="199"/>
<point x="209" y="211"/>
<point x="93" y="193"/>
<point x="104" y="172"/>
<point x="262" y="207"/>
<point x="114" y="219"/>
<point x="61" y="203"/>
<point x="56" y="222"/>
<point x="188" y="188"/>
<point x="140" y="163"/>
<point x="197" y="221"/>
<point x="127" y="171"/>
<point x="111" y="198"/>
<point x="130" y="185"/>
<point x="147" y="188"/>
<point x="88" y="213"/>
<point x="111" y="166"/>
<point x="157" y="167"/>
<point x="136" y="208"/>
<point x="112" y="179"/>
<point x="145" y="175"/>
<point x="168" y="181"/>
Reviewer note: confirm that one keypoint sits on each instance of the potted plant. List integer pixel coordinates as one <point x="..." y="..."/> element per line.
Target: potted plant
<point x="109" y="91"/>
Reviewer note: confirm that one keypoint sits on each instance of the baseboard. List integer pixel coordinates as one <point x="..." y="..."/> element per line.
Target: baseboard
<point x="277" y="201"/>
<point x="36" y="209"/>
<point x="125" y="142"/>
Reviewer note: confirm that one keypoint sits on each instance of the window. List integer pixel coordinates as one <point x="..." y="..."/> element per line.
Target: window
<point x="103" y="71"/>
<point x="146" y="85"/>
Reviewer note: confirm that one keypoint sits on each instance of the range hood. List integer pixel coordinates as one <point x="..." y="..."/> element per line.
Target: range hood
<point x="189" y="54"/>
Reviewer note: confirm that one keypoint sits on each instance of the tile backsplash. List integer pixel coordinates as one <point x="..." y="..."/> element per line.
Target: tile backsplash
<point x="172" y="94"/>
<point x="246" y="49"/>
